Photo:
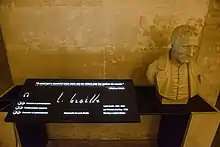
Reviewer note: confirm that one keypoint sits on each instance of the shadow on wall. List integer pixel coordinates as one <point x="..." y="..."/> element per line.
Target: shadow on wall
<point x="5" y="74"/>
<point x="139" y="72"/>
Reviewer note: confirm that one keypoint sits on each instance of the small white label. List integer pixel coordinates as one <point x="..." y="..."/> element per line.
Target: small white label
<point x="36" y="108"/>
<point x="34" y="112"/>
<point x="112" y="109"/>
<point x="75" y="113"/>
<point x="116" y="88"/>
<point x="114" y="113"/>
<point x="77" y="84"/>
<point x="35" y="103"/>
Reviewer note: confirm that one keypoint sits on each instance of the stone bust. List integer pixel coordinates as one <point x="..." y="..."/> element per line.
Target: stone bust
<point x="176" y="76"/>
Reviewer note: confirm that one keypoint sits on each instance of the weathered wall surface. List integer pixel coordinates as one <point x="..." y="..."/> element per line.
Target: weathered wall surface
<point x="91" y="38"/>
<point x="147" y="129"/>
<point x="209" y="56"/>
<point x="5" y="75"/>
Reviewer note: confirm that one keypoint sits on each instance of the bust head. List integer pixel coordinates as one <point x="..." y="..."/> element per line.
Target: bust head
<point x="185" y="43"/>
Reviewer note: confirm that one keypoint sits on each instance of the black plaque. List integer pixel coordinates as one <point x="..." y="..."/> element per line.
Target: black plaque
<point x="98" y="101"/>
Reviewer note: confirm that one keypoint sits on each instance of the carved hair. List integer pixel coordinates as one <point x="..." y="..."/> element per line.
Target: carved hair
<point x="183" y="31"/>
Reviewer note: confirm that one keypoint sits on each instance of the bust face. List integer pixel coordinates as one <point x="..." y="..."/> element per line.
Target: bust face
<point x="184" y="49"/>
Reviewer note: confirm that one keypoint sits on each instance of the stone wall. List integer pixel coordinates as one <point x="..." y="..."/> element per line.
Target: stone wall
<point x="91" y="38"/>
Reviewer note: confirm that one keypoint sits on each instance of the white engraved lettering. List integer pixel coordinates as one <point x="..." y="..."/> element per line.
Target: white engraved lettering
<point x="21" y="103"/>
<point x="18" y="107"/>
<point x="34" y="112"/>
<point x="75" y="113"/>
<point x="112" y="109"/>
<point x="34" y="103"/>
<point x="114" y="113"/>
<point x="72" y="99"/>
<point x="77" y="84"/>
<point x="15" y="112"/>
<point x="116" y="88"/>
<point x="58" y="100"/>
<point x="81" y="101"/>
<point x="96" y="98"/>
<point x="40" y="108"/>
<point x="92" y="98"/>
<point x="86" y="101"/>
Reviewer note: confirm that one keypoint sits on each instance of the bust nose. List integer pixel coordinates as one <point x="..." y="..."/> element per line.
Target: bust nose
<point x="191" y="53"/>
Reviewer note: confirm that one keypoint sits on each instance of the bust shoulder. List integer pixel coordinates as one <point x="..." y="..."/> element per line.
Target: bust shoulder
<point x="162" y="61"/>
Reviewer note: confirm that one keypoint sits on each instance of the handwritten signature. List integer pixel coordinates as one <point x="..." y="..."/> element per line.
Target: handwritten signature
<point x="88" y="100"/>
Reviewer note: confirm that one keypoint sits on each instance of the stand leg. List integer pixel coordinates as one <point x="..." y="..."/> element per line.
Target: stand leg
<point x="172" y="130"/>
<point x="32" y="135"/>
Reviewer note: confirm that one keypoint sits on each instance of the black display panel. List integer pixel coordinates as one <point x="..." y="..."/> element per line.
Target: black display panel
<point x="98" y="101"/>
